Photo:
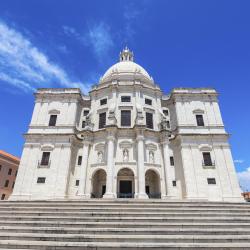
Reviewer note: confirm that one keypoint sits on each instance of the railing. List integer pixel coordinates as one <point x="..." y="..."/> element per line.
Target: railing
<point x="208" y="164"/>
<point x="42" y="165"/>
<point x="125" y="195"/>
<point x="154" y="195"/>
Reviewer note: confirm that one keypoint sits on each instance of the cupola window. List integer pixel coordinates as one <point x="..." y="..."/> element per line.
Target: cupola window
<point x="103" y="101"/>
<point x="199" y="120"/>
<point x="125" y="99"/>
<point x="149" y="120"/>
<point x="126" y="118"/>
<point x="85" y="112"/>
<point x="102" y="120"/>
<point x="52" y="120"/>
<point x="148" y="101"/>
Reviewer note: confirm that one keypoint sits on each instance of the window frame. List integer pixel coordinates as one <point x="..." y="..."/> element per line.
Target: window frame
<point x="41" y="180"/>
<point x="200" y="120"/>
<point x="103" y="121"/>
<point x="10" y="171"/>
<point x="52" y="120"/>
<point x="103" y="101"/>
<point x="123" y="98"/>
<point x="6" y="184"/>
<point x="45" y="159"/>
<point x="148" y="101"/>
<point x="79" y="160"/>
<point x="149" y="120"/>
<point x="207" y="159"/>
<point x="211" y="181"/>
<point x="171" y="159"/>
<point x="125" y="123"/>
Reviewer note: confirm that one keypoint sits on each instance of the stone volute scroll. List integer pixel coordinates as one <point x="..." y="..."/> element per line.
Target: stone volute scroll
<point x="163" y="122"/>
<point x="139" y="120"/>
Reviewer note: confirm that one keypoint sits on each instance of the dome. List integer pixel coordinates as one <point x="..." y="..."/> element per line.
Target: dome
<point x="126" y="69"/>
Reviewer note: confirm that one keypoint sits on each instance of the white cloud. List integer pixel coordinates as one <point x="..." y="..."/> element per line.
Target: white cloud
<point x="238" y="161"/>
<point x="24" y="66"/>
<point x="244" y="178"/>
<point x="99" y="38"/>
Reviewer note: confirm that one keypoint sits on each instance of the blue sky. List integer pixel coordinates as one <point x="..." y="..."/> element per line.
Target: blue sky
<point x="48" y="43"/>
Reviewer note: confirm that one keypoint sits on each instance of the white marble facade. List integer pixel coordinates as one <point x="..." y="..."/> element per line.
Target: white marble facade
<point x="126" y="139"/>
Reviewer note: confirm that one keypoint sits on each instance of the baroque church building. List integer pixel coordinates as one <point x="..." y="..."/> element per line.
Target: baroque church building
<point x="127" y="139"/>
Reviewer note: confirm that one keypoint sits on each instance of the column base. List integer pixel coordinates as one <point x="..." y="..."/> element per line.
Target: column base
<point x="84" y="196"/>
<point x="141" y="196"/>
<point x="168" y="197"/>
<point x="109" y="196"/>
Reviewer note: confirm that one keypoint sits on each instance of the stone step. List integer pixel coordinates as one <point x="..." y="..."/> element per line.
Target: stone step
<point x="124" y="214"/>
<point x="126" y="224"/>
<point x="13" y="244"/>
<point x="127" y="218"/>
<point x="131" y="230"/>
<point x="124" y="238"/>
<point x="120" y="203"/>
<point x="130" y="209"/>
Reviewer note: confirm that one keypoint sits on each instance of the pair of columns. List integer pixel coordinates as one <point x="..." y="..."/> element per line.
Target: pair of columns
<point x="140" y="167"/>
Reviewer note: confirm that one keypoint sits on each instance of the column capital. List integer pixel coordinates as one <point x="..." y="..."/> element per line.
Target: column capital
<point x="111" y="133"/>
<point x="164" y="138"/>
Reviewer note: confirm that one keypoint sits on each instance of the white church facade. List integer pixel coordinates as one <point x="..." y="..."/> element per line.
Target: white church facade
<point x="127" y="139"/>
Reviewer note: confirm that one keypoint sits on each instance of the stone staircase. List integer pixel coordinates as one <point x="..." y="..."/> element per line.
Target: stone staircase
<point x="124" y="224"/>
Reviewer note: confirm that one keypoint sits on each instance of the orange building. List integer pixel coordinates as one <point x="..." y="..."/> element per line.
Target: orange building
<point x="246" y="195"/>
<point x="8" y="172"/>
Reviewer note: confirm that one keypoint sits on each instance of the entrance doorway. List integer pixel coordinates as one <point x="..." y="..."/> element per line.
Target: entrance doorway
<point x="152" y="184"/>
<point x="98" y="184"/>
<point x="125" y="183"/>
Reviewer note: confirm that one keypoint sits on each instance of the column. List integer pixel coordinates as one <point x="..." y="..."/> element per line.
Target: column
<point x="140" y="167"/>
<point x="110" y="167"/>
<point x="83" y="170"/>
<point x="167" y="171"/>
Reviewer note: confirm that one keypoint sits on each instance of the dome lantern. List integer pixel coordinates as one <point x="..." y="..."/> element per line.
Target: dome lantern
<point x="126" y="55"/>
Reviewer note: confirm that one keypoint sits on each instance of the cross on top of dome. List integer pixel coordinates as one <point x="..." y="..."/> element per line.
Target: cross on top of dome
<point x="126" y="55"/>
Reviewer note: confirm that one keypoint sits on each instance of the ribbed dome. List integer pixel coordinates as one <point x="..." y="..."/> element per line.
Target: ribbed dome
<point x="126" y="69"/>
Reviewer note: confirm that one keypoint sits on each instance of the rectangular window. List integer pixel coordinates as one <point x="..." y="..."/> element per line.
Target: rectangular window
<point x="83" y="124"/>
<point x="16" y="174"/>
<point x="3" y="197"/>
<point x="125" y="99"/>
<point x="207" y="161"/>
<point x="45" y="159"/>
<point x="148" y="101"/>
<point x="6" y="184"/>
<point x="41" y="180"/>
<point x="171" y="161"/>
<point x="174" y="183"/>
<point x="0" y="167"/>
<point x="85" y="112"/>
<point x="79" y="161"/>
<point x="168" y="124"/>
<point x="10" y="171"/>
<point x="199" y="120"/>
<point x="13" y="184"/>
<point x="103" y="101"/>
<point x="102" y="120"/>
<point x="165" y="112"/>
<point x="126" y="118"/>
<point x="52" y="120"/>
<point x="77" y="182"/>
<point x="211" y="181"/>
<point x="149" y="120"/>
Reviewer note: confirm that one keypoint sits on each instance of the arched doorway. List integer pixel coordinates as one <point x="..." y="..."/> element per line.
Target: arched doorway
<point x="152" y="181"/>
<point x="98" y="184"/>
<point x="125" y="183"/>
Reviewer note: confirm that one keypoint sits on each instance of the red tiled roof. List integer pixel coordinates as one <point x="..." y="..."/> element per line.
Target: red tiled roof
<point x="10" y="156"/>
